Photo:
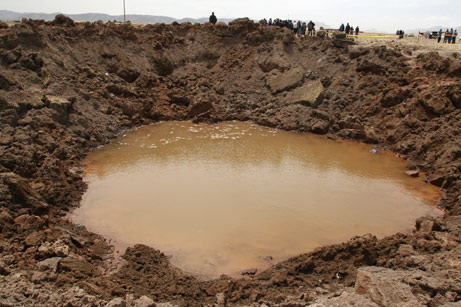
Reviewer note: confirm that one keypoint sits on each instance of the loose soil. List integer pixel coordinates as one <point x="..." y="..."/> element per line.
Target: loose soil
<point x="68" y="88"/>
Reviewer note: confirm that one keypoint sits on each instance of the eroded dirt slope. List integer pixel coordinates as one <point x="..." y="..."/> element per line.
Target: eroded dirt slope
<point x="66" y="88"/>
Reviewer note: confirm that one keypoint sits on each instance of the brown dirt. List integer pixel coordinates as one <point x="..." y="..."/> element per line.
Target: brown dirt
<point x="66" y="88"/>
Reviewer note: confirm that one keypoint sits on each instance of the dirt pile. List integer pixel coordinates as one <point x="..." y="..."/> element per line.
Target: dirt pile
<point x="66" y="88"/>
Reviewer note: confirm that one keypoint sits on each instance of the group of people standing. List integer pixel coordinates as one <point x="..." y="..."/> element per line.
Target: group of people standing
<point x="349" y="29"/>
<point x="449" y="37"/>
<point x="298" y="27"/>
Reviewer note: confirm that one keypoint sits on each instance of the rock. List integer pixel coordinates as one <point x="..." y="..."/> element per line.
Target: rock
<point x="5" y="218"/>
<point x="310" y="94"/>
<point x="406" y="250"/>
<point x="116" y="302"/>
<point x="38" y="277"/>
<point x="78" y="266"/>
<point x="129" y="75"/>
<point x="357" y="51"/>
<point x="50" y="264"/>
<point x="285" y="81"/>
<point x="61" y="105"/>
<point x="436" y="105"/>
<point x="371" y="136"/>
<point x="268" y="63"/>
<point x="200" y="108"/>
<point x="220" y="299"/>
<point x="339" y="35"/>
<point x="58" y="248"/>
<point x="249" y="272"/>
<point x="3" y="269"/>
<point x="144" y="301"/>
<point x="385" y="287"/>
<point x="394" y="97"/>
<point x="453" y="223"/>
<point x="426" y="225"/>
<point x="347" y="298"/>
<point x="35" y="238"/>
<point x="5" y="83"/>
<point x="320" y="127"/>
<point x="321" y="33"/>
<point x="412" y="173"/>
<point x="27" y="222"/>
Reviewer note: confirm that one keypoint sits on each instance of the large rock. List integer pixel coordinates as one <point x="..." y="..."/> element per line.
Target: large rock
<point x="285" y="81"/>
<point x="385" y="287"/>
<point x="310" y="94"/>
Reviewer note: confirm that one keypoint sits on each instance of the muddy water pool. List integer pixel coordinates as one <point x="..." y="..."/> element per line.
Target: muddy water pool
<point x="232" y="196"/>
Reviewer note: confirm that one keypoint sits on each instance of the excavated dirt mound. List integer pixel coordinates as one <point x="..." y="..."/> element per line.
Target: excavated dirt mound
<point x="66" y="88"/>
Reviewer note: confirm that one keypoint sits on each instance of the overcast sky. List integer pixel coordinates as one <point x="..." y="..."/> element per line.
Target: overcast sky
<point x="368" y="14"/>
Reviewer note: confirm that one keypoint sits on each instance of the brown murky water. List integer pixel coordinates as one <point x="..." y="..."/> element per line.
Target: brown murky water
<point x="227" y="197"/>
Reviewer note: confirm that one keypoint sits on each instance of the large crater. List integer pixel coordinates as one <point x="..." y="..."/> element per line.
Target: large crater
<point x="67" y="87"/>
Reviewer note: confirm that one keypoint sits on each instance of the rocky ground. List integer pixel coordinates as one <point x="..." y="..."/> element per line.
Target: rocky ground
<point x="66" y="88"/>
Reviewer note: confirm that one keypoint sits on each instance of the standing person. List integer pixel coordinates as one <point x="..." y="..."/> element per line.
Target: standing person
<point x="351" y="32"/>
<point x="440" y="36"/>
<point x="310" y="28"/>
<point x="357" y="31"/>
<point x="450" y="35"/>
<point x="348" y="28"/>
<point x="445" y="37"/>
<point x="213" y="18"/>
<point x="455" y="34"/>
<point x="341" y="28"/>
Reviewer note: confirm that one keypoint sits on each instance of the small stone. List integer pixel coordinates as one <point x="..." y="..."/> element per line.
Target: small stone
<point x="35" y="238"/>
<point x="285" y="81"/>
<point x="116" y="302"/>
<point x="5" y="218"/>
<point x="406" y="250"/>
<point x="412" y="173"/>
<point x="38" y="276"/>
<point x="49" y="264"/>
<point x="220" y="299"/>
<point x="426" y="226"/>
<point x="144" y="301"/>
<point x="249" y="272"/>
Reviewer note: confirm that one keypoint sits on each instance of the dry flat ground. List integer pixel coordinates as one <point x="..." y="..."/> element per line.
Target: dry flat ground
<point x="414" y="44"/>
<point x="66" y="88"/>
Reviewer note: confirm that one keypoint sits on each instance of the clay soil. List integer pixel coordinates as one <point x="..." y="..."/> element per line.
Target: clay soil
<point x="67" y="88"/>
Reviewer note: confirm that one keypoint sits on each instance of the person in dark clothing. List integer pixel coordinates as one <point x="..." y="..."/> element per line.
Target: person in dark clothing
<point x="348" y="28"/>
<point x="341" y="28"/>
<point x="213" y="18"/>
<point x="453" y="39"/>
<point x="357" y="30"/>
<point x="310" y="28"/>
<point x="440" y="36"/>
